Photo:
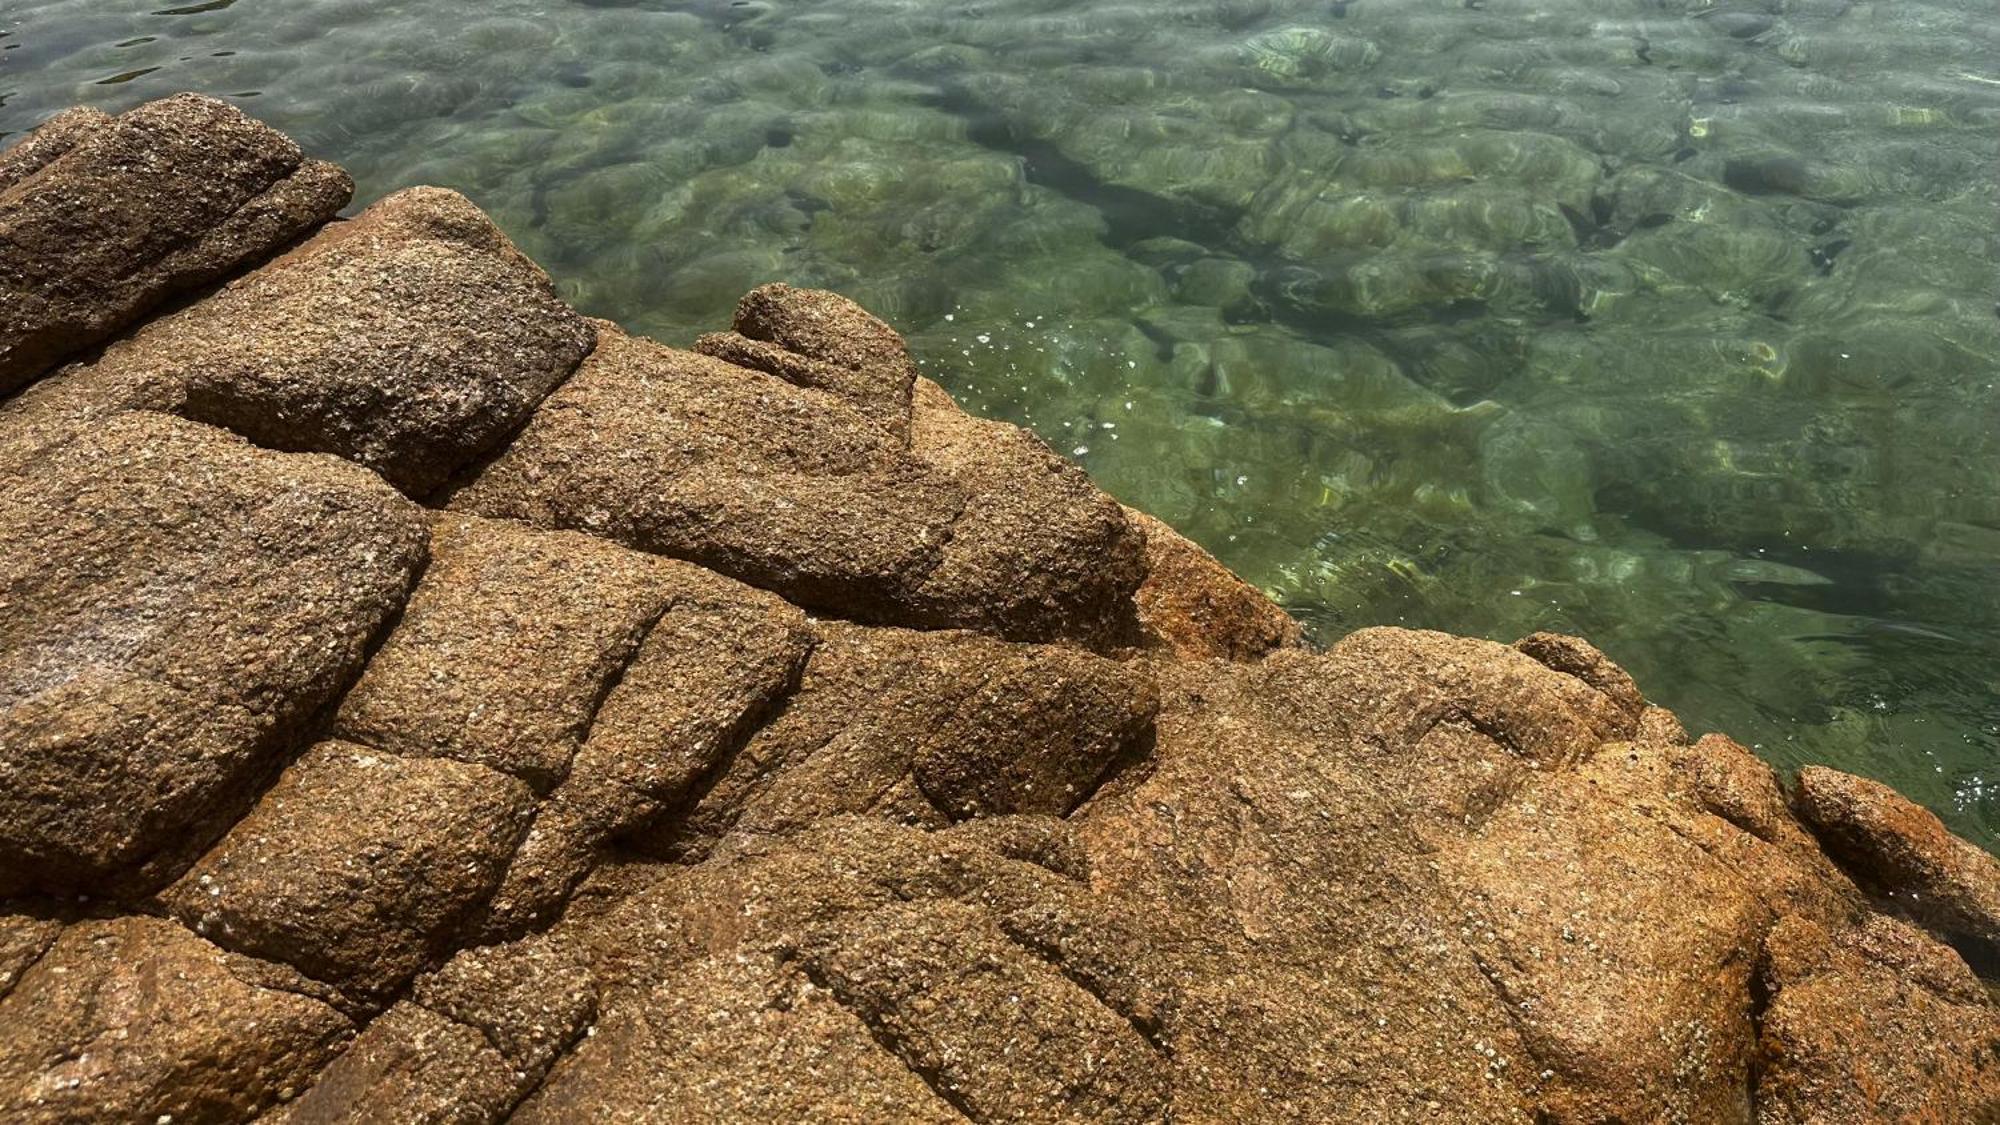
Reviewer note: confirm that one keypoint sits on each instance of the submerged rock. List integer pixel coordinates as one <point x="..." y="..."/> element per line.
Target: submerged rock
<point x="749" y="733"/>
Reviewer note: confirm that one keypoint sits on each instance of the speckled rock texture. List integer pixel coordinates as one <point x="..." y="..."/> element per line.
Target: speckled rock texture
<point x="103" y="218"/>
<point x="419" y="704"/>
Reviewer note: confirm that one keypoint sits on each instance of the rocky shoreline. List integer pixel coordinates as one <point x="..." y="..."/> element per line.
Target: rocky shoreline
<point x="419" y="702"/>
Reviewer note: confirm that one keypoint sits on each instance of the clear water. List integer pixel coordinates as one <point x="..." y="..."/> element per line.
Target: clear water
<point x="1667" y="322"/>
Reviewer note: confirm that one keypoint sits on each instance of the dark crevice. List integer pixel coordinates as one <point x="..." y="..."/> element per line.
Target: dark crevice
<point x="440" y="497"/>
<point x="1509" y="1006"/>
<point x="1126" y="771"/>
<point x="1148" y="1030"/>
<point x="1761" y="995"/>
<point x="670" y="819"/>
<point x="887" y="1041"/>
<point x="151" y="874"/>
<point x="40" y="951"/>
<point x="564" y="1050"/>
<point x="635" y="644"/>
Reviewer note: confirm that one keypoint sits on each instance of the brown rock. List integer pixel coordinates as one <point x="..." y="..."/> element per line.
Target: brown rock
<point x="998" y="1035"/>
<point x="738" y="1040"/>
<point x="49" y="140"/>
<point x="412" y="340"/>
<point x="1197" y="609"/>
<point x="1878" y="1023"/>
<point x="477" y="1036"/>
<point x="101" y="219"/>
<point x="411" y="1065"/>
<point x="712" y="669"/>
<point x="1899" y="848"/>
<point x="531" y="1000"/>
<point x="1039" y="553"/>
<point x="794" y="489"/>
<point x="1574" y="656"/>
<point x="135" y="1019"/>
<point x="357" y="866"/>
<point x="1624" y="949"/>
<point x="926" y="728"/>
<point x="606" y="835"/>
<point x="177" y="605"/>
<point x="818" y="339"/>
<point x="792" y="947"/>
<point x="679" y="454"/>
<point x="508" y="645"/>
<point x="23" y="940"/>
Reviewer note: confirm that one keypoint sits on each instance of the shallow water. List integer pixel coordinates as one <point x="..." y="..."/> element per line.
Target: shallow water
<point x="1671" y="323"/>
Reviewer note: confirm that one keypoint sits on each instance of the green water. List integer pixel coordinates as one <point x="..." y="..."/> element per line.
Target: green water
<point x="1666" y="322"/>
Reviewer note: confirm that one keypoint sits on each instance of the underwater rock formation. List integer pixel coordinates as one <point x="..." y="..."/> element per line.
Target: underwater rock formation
<point x="418" y="703"/>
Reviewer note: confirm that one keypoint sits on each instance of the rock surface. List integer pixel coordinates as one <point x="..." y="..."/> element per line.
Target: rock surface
<point x="747" y="733"/>
<point x="103" y="218"/>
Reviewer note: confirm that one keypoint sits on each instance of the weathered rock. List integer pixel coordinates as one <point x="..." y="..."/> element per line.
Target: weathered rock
<point x="925" y="728"/>
<point x="1902" y="849"/>
<point x="712" y="668"/>
<point x="478" y="1036"/>
<point x="794" y="489"/>
<point x="23" y="940"/>
<point x="509" y="643"/>
<point x="1574" y="657"/>
<point x="103" y="218"/>
<point x="1039" y="552"/>
<point x="1877" y="1023"/>
<point x="178" y="604"/>
<point x="1421" y="874"/>
<point x="1197" y="608"/>
<point x="603" y="834"/>
<point x="357" y="866"/>
<point x="50" y="140"/>
<point x="531" y="1000"/>
<point x="411" y="340"/>
<point x="410" y="1065"/>
<point x="735" y="1041"/>
<point x="818" y="339"/>
<point x="679" y="454"/>
<point x="135" y="1019"/>
<point x="884" y="961"/>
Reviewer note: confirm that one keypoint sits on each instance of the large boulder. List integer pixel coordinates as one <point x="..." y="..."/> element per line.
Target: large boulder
<point x="411" y="340"/>
<point x="356" y="867"/>
<point x="1898" y="847"/>
<point x="136" y="1019"/>
<point x="925" y="728"/>
<point x="507" y="645"/>
<point x="786" y="487"/>
<point x="810" y="493"/>
<point x="822" y="340"/>
<point x="1872" y="1023"/>
<point x="103" y="218"/>
<point x="178" y="605"/>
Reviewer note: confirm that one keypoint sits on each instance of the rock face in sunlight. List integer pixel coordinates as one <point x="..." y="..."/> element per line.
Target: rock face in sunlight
<point x="418" y="703"/>
<point x="103" y="218"/>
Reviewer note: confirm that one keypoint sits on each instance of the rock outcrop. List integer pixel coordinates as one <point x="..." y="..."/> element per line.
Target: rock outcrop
<point x="103" y="218"/>
<point x="419" y="703"/>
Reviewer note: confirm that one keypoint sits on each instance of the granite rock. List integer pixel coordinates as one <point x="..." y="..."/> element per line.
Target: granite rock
<point x="1901" y="849"/>
<point x="178" y="605"/>
<point x="103" y="218"/>
<point x="748" y="733"/>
